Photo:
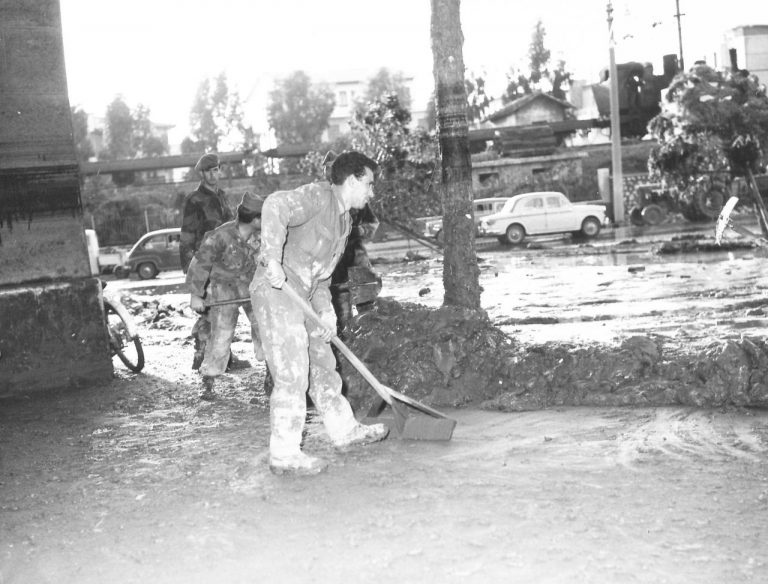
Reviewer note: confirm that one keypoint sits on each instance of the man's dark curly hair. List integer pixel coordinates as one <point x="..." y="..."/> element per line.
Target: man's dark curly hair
<point x="350" y="163"/>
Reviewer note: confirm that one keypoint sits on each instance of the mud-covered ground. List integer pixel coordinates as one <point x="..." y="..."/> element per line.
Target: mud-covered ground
<point x="139" y="481"/>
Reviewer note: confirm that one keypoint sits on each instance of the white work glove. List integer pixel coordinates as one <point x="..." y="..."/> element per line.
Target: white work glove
<point x="196" y="303"/>
<point x="328" y="330"/>
<point x="275" y="274"/>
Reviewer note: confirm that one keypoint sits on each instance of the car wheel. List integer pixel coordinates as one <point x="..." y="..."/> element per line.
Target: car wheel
<point x="439" y="237"/>
<point x="590" y="227"/>
<point x="146" y="271"/>
<point x="636" y="216"/>
<point x="653" y="215"/>
<point x="515" y="234"/>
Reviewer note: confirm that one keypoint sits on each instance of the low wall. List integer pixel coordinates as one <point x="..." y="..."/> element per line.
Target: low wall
<point x="53" y="337"/>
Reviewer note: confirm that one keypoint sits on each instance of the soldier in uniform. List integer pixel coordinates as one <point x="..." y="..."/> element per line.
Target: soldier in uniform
<point x="354" y="282"/>
<point x="220" y="271"/>
<point x="304" y="233"/>
<point x="205" y="208"/>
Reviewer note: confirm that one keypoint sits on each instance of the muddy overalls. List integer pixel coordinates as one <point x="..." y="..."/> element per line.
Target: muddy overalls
<point x="306" y="230"/>
<point x="221" y="270"/>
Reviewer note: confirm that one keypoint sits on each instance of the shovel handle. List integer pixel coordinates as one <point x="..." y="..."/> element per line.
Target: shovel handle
<point x="226" y="302"/>
<point x="383" y="391"/>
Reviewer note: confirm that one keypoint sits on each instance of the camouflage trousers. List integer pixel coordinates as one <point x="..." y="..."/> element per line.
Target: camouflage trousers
<point x="299" y="362"/>
<point x="201" y="332"/>
<point x="223" y="320"/>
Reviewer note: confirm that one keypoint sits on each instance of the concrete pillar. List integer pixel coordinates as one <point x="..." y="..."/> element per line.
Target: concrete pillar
<point x="52" y="331"/>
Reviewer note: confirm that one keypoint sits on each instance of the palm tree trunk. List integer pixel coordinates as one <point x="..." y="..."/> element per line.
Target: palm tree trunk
<point x="460" y="271"/>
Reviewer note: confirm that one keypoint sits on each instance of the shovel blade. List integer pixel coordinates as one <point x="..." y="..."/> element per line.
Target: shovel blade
<point x="408" y="423"/>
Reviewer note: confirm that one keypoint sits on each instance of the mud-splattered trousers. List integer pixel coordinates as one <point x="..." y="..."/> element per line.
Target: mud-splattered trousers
<point x="306" y="230"/>
<point x="204" y="210"/>
<point x="221" y="270"/>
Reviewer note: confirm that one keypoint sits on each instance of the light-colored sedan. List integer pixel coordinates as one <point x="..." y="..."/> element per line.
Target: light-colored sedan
<point x="543" y="213"/>
<point x="433" y="226"/>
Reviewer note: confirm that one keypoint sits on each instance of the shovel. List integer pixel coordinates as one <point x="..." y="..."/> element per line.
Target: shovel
<point x="412" y="419"/>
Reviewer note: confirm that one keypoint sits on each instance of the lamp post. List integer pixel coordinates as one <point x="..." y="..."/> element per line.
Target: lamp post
<point x="617" y="194"/>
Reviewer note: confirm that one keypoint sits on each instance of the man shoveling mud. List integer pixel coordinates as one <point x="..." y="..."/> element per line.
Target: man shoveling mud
<point x="304" y="233"/>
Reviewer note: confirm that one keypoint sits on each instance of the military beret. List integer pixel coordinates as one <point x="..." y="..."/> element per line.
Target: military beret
<point x="251" y="202"/>
<point x="207" y="162"/>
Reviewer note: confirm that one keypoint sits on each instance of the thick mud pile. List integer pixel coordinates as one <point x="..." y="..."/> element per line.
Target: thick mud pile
<point x="454" y="357"/>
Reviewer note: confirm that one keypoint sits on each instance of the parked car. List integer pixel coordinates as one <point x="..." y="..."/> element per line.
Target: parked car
<point x="543" y="213"/>
<point x="154" y="252"/>
<point x="433" y="226"/>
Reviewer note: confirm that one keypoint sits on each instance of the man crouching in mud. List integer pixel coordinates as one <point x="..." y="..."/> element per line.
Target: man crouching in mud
<point x="304" y="233"/>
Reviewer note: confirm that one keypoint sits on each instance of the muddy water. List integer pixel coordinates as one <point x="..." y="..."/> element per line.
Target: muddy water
<point x="139" y="481"/>
<point x="602" y="297"/>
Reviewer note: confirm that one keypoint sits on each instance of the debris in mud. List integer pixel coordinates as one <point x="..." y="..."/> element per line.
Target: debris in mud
<point x="699" y="245"/>
<point x="452" y="356"/>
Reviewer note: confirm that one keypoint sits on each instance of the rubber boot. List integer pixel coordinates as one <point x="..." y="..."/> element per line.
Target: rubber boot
<point x="343" y="308"/>
<point x="362" y="434"/>
<point x="208" y="383"/>
<point x="297" y="464"/>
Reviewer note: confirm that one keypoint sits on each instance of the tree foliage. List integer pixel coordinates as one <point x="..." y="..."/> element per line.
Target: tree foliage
<point x="145" y="143"/>
<point x="712" y="127"/>
<point x="385" y="83"/>
<point x="299" y="111"/>
<point x="119" y="123"/>
<point x="406" y="157"/>
<point x="217" y="119"/>
<point x="711" y="122"/>
<point x="538" y="76"/>
<point x="478" y="101"/>
<point x="83" y="147"/>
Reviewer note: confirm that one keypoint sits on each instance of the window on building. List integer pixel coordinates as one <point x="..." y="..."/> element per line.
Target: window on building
<point x="488" y="179"/>
<point x="343" y="99"/>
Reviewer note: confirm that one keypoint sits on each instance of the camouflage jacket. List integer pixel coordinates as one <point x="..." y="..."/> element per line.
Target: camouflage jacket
<point x="306" y="229"/>
<point x="224" y="265"/>
<point x="204" y="210"/>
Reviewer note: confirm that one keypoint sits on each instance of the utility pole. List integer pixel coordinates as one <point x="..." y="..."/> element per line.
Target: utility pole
<point x="679" y="34"/>
<point x="617" y="194"/>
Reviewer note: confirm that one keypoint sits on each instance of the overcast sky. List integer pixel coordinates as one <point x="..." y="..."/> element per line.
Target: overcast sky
<point x="156" y="52"/>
